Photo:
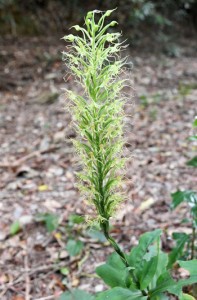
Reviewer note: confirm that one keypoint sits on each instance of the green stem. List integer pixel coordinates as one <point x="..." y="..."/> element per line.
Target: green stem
<point x="193" y="242"/>
<point x="105" y="227"/>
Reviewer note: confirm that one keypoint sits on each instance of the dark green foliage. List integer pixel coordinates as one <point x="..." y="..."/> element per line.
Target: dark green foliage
<point x="150" y="267"/>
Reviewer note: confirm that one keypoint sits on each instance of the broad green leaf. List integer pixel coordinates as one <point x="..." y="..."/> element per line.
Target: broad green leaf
<point x="112" y="276"/>
<point x="15" y="228"/>
<point x="148" y="266"/>
<point x="114" y="273"/>
<point x="177" y="251"/>
<point x="76" y="294"/>
<point x="195" y="122"/>
<point x="193" y="162"/>
<point x="193" y="138"/>
<point x="165" y="282"/>
<point x="74" y="247"/>
<point x="52" y="222"/>
<point x="119" y="293"/>
<point x="160" y="297"/>
<point x="97" y="235"/>
<point x="180" y="196"/>
<point x="161" y="268"/>
<point x="115" y="261"/>
<point x="148" y="272"/>
<point x="64" y="271"/>
<point x="190" y="265"/>
<point x="186" y="297"/>
<point x="176" y="289"/>
<point x="76" y="219"/>
<point x="137" y="253"/>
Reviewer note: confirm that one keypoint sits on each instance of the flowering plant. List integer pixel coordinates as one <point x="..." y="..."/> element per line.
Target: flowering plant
<point x="94" y="59"/>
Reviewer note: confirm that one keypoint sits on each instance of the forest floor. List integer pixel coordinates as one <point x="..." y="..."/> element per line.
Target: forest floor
<point x="38" y="165"/>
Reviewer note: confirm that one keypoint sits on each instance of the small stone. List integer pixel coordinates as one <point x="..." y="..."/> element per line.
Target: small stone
<point x="99" y="288"/>
<point x="2" y="236"/>
<point x="25" y="220"/>
<point x="59" y="136"/>
<point x="55" y="171"/>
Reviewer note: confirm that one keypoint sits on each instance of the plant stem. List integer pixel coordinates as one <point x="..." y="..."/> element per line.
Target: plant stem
<point x="193" y="242"/>
<point x="105" y="227"/>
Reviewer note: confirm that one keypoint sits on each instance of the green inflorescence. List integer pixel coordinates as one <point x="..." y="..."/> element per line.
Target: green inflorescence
<point x="94" y="60"/>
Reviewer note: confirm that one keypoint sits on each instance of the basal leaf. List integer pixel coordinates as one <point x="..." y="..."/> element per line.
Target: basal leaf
<point x="193" y="162"/>
<point x="177" y="251"/>
<point x="15" y="228"/>
<point x="119" y="293"/>
<point x="190" y="265"/>
<point x="115" y="261"/>
<point x="52" y="222"/>
<point x="180" y="196"/>
<point x="75" y="219"/>
<point x="97" y="235"/>
<point x="137" y="253"/>
<point x="186" y="297"/>
<point x="165" y="282"/>
<point x="195" y="122"/>
<point x="74" y="247"/>
<point x="161" y="268"/>
<point x="148" y="270"/>
<point x="76" y="294"/>
<point x="193" y="138"/>
<point x="160" y="297"/>
<point x="112" y="276"/>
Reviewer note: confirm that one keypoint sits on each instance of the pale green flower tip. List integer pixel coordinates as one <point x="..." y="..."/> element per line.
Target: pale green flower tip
<point x="110" y="37"/>
<point x="96" y="27"/>
<point x="113" y="23"/>
<point x="69" y="38"/>
<point x="89" y="15"/>
<point x="77" y="27"/>
<point x="108" y="12"/>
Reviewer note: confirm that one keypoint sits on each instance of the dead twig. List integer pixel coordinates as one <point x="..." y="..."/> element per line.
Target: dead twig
<point x="27" y="278"/>
<point x="20" y="161"/>
<point x="31" y="272"/>
<point x="46" y="298"/>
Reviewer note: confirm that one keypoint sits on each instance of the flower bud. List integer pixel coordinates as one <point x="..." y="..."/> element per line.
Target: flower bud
<point x="113" y="23"/>
<point x="77" y="27"/>
<point x="89" y="15"/>
<point x="108" y="12"/>
<point x="69" y="37"/>
<point x="96" y="28"/>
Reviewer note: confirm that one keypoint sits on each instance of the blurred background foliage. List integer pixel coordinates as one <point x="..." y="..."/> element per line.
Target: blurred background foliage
<point x="157" y="19"/>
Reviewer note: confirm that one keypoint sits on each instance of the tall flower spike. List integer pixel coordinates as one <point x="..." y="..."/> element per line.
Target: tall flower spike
<point x="94" y="60"/>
